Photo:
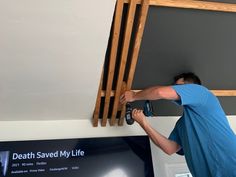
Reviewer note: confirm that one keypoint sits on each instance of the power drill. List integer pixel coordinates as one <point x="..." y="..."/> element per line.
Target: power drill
<point x="147" y="111"/>
<point x="128" y="114"/>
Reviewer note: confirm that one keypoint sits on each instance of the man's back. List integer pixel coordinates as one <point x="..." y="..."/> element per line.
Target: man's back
<point x="208" y="142"/>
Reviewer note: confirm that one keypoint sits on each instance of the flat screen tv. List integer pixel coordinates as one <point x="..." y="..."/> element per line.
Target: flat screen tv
<point x="128" y="156"/>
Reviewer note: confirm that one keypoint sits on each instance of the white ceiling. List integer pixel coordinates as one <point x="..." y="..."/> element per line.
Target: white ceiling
<point x="51" y="57"/>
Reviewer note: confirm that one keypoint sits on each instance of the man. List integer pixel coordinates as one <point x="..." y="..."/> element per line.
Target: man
<point x="202" y="134"/>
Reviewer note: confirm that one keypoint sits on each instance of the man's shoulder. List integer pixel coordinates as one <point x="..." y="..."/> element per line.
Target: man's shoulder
<point x="191" y="87"/>
<point x="192" y="94"/>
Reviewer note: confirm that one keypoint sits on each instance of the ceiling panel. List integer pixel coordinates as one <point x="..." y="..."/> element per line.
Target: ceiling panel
<point x="51" y="57"/>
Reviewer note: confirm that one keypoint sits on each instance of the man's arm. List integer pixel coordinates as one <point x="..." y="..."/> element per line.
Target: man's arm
<point x="152" y="93"/>
<point x="168" y="146"/>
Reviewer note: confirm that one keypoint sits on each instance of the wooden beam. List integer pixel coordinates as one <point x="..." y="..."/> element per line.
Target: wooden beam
<point x="98" y="102"/>
<point x="134" y="57"/>
<point x="224" y="92"/>
<point x="219" y="93"/>
<point x="124" y="54"/>
<point x="112" y="59"/>
<point x="188" y="4"/>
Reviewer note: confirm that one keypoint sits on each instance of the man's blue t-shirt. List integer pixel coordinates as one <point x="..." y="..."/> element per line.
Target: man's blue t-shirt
<point x="204" y="134"/>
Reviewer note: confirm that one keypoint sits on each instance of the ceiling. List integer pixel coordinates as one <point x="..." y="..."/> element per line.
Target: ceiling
<point x="51" y="57"/>
<point x="163" y="52"/>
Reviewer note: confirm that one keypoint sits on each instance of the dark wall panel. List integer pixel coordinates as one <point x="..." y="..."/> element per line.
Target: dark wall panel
<point x="178" y="40"/>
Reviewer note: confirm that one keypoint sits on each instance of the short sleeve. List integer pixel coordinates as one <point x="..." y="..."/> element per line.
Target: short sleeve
<point x="191" y="94"/>
<point x="174" y="136"/>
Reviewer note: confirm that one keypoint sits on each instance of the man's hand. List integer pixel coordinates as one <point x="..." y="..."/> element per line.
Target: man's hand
<point x="139" y="117"/>
<point x="168" y="146"/>
<point x="128" y="96"/>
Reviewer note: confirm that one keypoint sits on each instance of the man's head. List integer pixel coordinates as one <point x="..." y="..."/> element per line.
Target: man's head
<point x="187" y="78"/>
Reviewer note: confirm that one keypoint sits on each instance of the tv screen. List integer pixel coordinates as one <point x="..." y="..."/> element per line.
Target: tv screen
<point x="84" y="157"/>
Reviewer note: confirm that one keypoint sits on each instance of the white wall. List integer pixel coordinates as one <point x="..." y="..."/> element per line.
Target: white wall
<point x="62" y="129"/>
<point x="51" y="57"/>
<point x="164" y="125"/>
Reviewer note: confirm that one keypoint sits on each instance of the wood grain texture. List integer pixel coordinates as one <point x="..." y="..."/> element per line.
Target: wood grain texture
<point x="215" y="92"/>
<point x="188" y="4"/>
<point x="134" y="56"/>
<point x="124" y="54"/>
<point x="112" y="58"/>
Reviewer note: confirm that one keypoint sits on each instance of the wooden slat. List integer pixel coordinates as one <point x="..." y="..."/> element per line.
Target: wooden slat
<point x="124" y="54"/>
<point x="201" y="5"/>
<point x="112" y="59"/>
<point x="98" y="102"/>
<point x="215" y="92"/>
<point x="224" y="92"/>
<point x="123" y="89"/>
<point x="135" y="52"/>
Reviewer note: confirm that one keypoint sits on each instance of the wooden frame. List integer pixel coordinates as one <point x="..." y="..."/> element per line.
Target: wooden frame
<point x="192" y="4"/>
<point x="124" y="55"/>
<point x="113" y="55"/>
<point x="122" y="85"/>
<point x="219" y="93"/>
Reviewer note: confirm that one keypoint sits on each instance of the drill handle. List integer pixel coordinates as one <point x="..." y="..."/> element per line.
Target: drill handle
<point x="128" y="114"/>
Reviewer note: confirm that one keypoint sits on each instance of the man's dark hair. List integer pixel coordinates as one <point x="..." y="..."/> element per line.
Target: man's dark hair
<point x="189" y="77"/>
